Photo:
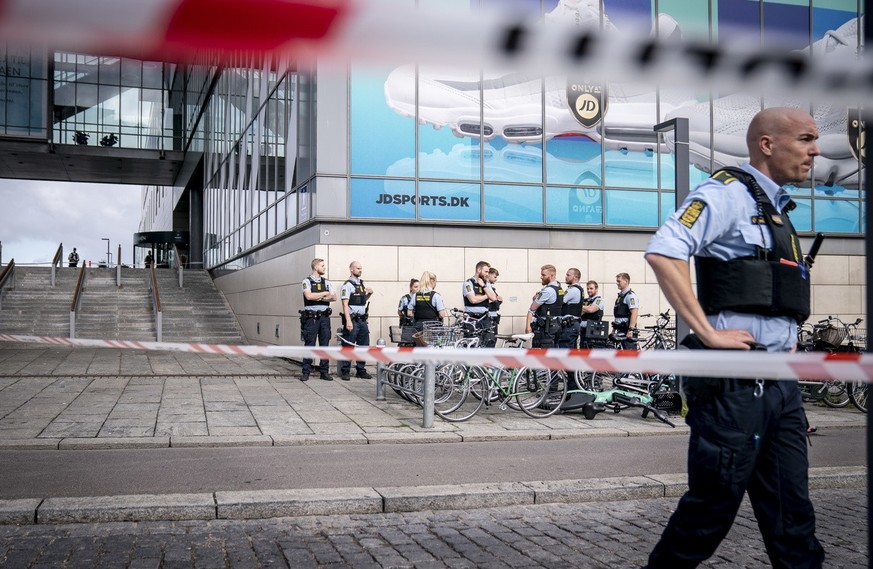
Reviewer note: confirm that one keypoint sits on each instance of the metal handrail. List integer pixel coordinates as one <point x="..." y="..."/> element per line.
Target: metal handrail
<point x="177" y="263"/>
<point x="118" y="267"/>
<point x="58" y="259"/>
<point x="77" y="299"/>
<point x="152" y="280"/>
<point x="7" y="275"/>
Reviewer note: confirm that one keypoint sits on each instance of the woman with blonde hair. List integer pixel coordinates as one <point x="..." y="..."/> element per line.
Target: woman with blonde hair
<point x="427" y="305"/>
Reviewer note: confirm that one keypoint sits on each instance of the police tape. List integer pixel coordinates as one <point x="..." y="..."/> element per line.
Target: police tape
<point x="705" y="363"/>
<point x="567" y="39"/>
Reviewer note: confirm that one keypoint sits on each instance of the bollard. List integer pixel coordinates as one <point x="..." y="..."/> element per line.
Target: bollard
<point x="429" y="386"/>
<point x="380" y="387"/>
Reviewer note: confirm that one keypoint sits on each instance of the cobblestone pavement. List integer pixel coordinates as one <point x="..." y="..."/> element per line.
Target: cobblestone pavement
<point x="597" y="535"/>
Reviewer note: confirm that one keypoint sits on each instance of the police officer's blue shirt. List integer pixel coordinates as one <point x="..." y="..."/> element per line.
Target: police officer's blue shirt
<point x="598" y="301"/>
<point x="327" y="286"/>
<point x="467" y="288"/>
<point x="436" y="300"/>
<point x="721" y="226"/>
<point x="572" y="295"/>
<point x="548" y="295"/>
<point x="632" y="301"/>
<point x="403" y="306"/>
<point x="346" y="292"/>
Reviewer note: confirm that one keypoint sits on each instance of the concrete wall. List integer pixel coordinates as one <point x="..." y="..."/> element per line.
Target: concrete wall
<point x="269" y="292"/>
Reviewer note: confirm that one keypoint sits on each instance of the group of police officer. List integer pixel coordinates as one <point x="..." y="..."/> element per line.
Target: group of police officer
<point x="318" y="293"/>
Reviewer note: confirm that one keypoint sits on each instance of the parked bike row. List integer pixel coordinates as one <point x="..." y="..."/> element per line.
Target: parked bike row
<point x="461" y="391"/>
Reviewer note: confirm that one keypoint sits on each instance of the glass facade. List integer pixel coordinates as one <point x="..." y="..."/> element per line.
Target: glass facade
<point x="111" y="101"/>
<point x="506" y="147"/>
<point x="23" y="92"/>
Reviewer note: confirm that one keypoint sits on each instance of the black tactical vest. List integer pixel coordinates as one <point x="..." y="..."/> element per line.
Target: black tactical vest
<point x="573" y="309"/>
<point x="316" y="286"/>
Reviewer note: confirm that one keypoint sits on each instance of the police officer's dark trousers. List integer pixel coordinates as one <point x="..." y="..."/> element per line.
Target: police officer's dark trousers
<point x="359" y="335"/>
<point x="569" y="336"/>
<point x="316" y="328"/>
<point x="741" y="443"/>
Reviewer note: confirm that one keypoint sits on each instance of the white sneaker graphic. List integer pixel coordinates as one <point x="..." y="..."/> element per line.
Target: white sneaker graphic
<point x="511" y="102"/>
<point x="838" y="163"/>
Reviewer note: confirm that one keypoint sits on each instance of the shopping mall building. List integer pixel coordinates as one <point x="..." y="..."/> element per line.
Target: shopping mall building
<point x="409" y="168"/>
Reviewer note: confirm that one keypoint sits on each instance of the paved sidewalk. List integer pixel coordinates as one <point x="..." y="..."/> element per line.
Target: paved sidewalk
<point x="72" y="398"/>
<point x="65" y="398"/>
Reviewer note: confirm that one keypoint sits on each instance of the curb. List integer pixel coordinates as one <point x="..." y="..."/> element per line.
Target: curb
<point x="241" y="505"/>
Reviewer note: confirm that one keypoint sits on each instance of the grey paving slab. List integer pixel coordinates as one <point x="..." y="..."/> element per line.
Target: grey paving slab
<point x="317" y="501"/>
<point x="118" y="442"/>
<point x="18" y="511"/>
<point x="455" y="497"/>
<point x="221" y="441"/>
<point x="603" y="490"/>
<point x="126" y="508"/>
<point x="181" y="429"/>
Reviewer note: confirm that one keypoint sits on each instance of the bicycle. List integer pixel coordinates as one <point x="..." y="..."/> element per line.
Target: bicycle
<point x="536" y="392"/>
<point x="826" y="335"/>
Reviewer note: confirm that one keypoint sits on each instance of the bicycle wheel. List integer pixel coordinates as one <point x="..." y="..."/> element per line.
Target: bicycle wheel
<point x="858" y="394"/>
<point x="837" y="394"/>
<point x="540" y="392"/>
<point x="459" y="392"/>
<point x="590" y="380"/>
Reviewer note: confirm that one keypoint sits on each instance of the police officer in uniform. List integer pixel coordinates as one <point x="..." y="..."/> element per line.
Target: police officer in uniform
<point x="354" y="296"/>
<point x="545" y="310"/>
<point x="592" y="310"/>
<point x="572" y="306"/>
<point x="315" y="317"/>
<point x="493" y="309"/>
<point x="478" y="294"/>
<point x="427" y="305"/>
<point x="73" y="258"/>
<point x="746" y="435"/>
<point x="405" y="300"/>
<point x="625" y="313"/>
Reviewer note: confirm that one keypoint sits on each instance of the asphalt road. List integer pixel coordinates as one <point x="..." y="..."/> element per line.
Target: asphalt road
<point x="173" y="470"/>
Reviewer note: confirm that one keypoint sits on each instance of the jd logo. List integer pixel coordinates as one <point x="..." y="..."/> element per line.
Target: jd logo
<point x="587" y="102"/>
<point x="856" y="131"/>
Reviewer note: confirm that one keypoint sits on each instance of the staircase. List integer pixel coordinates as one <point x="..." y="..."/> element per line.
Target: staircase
<point x="109" y="312"/>
<point x="196" y="313"/>
<point x="34" y="307"/>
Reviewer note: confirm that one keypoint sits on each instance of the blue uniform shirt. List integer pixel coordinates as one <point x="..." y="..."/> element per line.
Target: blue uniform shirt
<point x="572" y="295"/>
<point x="721" y="225"/>
<point x="548" y="295"/>
<point x="327" y="286"/>
<point x="467" y="288"/>
<point x="346" y="293"/>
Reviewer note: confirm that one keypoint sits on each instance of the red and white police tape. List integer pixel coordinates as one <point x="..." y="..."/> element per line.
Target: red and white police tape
<point x="497" y="36"/>
<point x="709" y="363"/>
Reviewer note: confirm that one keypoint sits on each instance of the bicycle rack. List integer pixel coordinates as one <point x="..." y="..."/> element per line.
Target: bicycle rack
<point x="427" y="397"/>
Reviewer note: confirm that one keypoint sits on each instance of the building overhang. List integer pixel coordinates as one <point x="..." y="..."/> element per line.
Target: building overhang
<point x="41" y="160"/>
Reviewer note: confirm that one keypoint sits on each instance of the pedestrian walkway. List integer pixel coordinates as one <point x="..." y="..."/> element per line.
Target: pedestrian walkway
<point x="62" y="397"/>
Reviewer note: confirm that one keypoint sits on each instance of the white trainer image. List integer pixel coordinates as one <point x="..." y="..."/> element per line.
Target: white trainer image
<point x="511" y="103"/>
<point x="719" y="129"/>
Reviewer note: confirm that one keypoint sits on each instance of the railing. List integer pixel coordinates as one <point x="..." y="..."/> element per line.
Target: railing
<point x="7" y="276"/>
<point x="77" y="299"/>
<point x="152" y="280"/>
<point x="58" y="259"/>
<point x="177" y="263"/>
<point x="118" y="267"/>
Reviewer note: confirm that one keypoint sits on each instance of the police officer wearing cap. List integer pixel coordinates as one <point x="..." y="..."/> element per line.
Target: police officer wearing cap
<point x="478" y="294"/>
<point x="354" y="296"/>
<point x="746" y="435"/>
<point x="625" y="313"/>
<point x="572" y="307"/>
<point x="592" y="310"/>
<point x="315" y="317"/>
<point x="543" y="317"/>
